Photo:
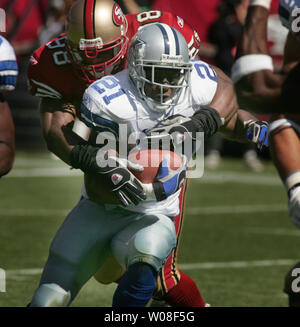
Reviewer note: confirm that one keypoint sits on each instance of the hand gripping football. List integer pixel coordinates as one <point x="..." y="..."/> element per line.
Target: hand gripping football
<point x="151" y="161"/>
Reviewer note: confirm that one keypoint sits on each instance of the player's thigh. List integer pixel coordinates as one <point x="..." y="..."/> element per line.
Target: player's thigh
<point x="84" y="238"/>
<point x="83" y="228"/>
<point x="150" y="239"/>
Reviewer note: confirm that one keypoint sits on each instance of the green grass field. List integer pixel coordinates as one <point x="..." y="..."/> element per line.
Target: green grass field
<point x="238" y="241"/>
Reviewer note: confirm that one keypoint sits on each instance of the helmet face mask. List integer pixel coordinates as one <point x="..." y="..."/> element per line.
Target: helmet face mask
<point x="163" y="84"/>
<point x="159" y="75"/>
<point x="92" y="62"/>
<point x="96" y="38"/>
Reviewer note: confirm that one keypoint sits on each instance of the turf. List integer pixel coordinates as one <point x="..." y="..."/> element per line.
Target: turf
<point x="241" y="218"/>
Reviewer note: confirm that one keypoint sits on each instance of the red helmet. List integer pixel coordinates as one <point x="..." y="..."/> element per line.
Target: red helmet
<point x="96" y="37"/>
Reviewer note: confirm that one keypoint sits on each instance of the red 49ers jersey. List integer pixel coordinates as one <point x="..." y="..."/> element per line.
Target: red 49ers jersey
<point x="51" y="74"/>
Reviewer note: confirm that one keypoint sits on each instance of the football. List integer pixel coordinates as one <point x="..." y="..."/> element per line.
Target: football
<point x="97" y="191"/>
<point x="151" y="160"/>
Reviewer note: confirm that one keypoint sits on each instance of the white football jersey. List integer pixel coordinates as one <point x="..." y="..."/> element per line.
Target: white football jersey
<point x="113" y="101"/>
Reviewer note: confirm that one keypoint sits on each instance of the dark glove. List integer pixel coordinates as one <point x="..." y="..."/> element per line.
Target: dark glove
<point x="122" y="182"/>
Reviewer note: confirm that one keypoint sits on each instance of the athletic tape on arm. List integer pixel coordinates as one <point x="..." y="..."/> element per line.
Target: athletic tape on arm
<point x="81" y="129"/>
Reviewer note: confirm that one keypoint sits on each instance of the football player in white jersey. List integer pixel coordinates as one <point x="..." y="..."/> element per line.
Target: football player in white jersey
<point x="160" y="82"/>
<point x="8" y="79"/>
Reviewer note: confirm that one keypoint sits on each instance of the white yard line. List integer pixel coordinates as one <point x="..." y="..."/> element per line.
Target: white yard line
<point x="18" y="273"/>
<point x="33" y="212"/>
<point x="33" y="271"/>
<point x="44" y="172"/>
<point x="274" y="231"/>
<point x="234" y="177"/>
<point x="237" y="264"/>
<point x="253" y="208"/>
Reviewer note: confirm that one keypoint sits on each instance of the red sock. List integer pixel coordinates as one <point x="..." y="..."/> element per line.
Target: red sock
<point x="185" y="293"/>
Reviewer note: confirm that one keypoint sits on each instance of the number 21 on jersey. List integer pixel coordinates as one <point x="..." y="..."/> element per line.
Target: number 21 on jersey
<point x="108" y="83"/>
<point x="205" y="71"/>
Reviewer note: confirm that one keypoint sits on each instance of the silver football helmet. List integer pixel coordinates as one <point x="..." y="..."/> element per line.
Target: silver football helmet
<point x="159" y="65"/>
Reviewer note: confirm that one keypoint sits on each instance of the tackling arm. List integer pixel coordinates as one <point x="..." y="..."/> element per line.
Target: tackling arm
<point x="57" y="119"/>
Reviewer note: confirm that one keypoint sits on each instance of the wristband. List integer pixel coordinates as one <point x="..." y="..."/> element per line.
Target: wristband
<point x="83" y="156"/>
<point x="207" y="120"/>
<point x="284" y="122"/>
<point x="249" y="64"/>
<point x="263" y="3"/>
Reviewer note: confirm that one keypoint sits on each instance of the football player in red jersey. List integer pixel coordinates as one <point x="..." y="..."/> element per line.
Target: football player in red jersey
<point x="95" y="44"/>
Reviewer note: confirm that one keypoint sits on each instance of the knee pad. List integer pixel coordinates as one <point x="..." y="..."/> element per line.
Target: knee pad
<point x="294" y="205"/>
<point x="50" y="295"/>
<point x="150" y="240"/>
<point x="161" y="241"/>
